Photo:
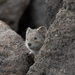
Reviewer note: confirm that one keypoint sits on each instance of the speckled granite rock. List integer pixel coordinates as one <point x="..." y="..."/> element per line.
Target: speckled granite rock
<point x="11" y="11"/>
<point x="14" y="58"/>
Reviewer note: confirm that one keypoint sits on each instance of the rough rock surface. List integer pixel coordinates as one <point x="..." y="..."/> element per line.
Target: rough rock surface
<point x="52" y="7"/>
<point x="11" y="11"/>
<point x="57" y="56"/>
<point x="14" y="58"/>
<point x="69" y="5"/>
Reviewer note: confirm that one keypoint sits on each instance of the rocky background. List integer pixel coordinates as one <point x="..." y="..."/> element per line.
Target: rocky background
<point x="57" y="55"/>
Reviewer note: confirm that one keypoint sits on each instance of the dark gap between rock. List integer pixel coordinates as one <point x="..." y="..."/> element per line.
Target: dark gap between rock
<point x="25" y="22"/>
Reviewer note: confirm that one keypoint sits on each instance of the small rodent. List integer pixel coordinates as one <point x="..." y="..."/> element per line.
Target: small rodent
<point x="35" y="39"/>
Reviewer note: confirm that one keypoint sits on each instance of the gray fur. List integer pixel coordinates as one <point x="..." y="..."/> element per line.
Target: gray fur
<point x="36" y="43"/>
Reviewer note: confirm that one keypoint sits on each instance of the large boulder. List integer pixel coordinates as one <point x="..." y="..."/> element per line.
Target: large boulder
<point x="57" y="56"/>
<point x="11" y="11"/>
<point x="14" y="57"/>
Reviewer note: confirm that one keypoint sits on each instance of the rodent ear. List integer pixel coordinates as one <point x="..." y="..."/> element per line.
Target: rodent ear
<point x="28" y="30"/>
<point x="43" y="30"/>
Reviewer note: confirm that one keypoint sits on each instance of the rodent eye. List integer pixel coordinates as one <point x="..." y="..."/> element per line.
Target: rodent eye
<point x="35" y="38"/>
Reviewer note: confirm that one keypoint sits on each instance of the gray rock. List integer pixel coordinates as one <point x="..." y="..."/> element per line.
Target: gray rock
<point x="57" y="56"/>
<point x="52" y="7"/>
<point x="14" y="57"/>
<point x="69" y="5"/>
<point x="38" y="13"/>
<point x="11" y="11"/>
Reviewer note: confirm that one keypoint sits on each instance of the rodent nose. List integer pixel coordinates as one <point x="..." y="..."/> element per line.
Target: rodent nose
<point x="29" y="44"/>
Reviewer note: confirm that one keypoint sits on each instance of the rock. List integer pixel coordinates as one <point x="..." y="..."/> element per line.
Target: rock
<point x="11" y="11"/>
<point x="14" y="57"/>
<point x="69" y="5"/>
<point x="38" y="14"/>
<point x="57" y="56"/>
<point x="52" y="7"/>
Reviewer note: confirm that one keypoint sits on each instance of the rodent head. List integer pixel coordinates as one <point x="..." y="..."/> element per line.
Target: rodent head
<point x="35" y="38"/>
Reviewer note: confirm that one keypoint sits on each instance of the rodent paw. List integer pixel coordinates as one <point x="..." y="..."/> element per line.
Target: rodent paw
<point x="31" y="55"/>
